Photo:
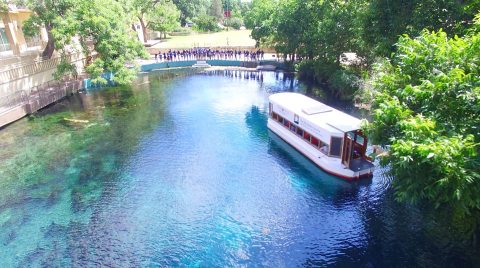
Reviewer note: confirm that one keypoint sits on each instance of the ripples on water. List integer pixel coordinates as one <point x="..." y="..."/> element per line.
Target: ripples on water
<point x="180" y="170"/>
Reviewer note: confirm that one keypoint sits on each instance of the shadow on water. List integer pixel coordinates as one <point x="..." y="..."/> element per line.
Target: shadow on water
<point x="338" y="189"/>
<point x="256" y="121"/>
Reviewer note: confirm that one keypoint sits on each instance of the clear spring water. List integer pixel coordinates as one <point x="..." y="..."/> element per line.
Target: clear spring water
<point x="180" y="170"/>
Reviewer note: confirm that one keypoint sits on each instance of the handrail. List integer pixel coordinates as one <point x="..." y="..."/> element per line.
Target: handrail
<point x="34" y="67"/>
<point x="22" y="63"/>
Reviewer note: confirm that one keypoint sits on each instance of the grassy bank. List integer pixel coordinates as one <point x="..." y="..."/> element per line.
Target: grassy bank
<point x="231" y="38"/>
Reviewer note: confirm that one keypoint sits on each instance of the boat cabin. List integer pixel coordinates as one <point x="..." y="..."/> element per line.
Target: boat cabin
<point x="333" y="133"/>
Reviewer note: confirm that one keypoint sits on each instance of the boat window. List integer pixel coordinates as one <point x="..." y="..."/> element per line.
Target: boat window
<point x="270" y="107"/>
<point x="293" y="128"/>
<point x="299" y="131"/>
<point x="314" y="141"/>
<point x="306" y="136"/>
<point x="280" y="119"/>
<point x="360" y="140"/>
<point x="336" y="146"/>
<point x="323" y="147"/>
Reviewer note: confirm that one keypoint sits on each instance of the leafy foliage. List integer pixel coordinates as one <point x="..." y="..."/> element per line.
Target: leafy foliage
<point x="206" y="23"/>
<point x="216" y="9"/>
<point x="235" y="22"/>
<point x="164" y="18"/>
<point x="427" y="109"/>
<point x="104" y="23"/>
<point x="260" y="18"/>
<point x="385" y="20"/>
<point x="190" y="9"/>
<point x="320" y="31"/>
<point x="3" y="6"/>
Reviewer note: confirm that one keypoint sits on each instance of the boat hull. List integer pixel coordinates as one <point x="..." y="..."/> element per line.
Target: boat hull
<point x="328" y="164"/>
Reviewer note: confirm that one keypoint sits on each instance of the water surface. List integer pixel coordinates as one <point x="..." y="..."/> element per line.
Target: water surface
<point x="180" y="170"/>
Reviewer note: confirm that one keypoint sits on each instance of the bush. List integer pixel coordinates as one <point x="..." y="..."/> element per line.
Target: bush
<point x="181" y="31"/>
<point x="206" y="23"/>
<point x="344" y="84"/>
<point x="317" y="71"/>
<point x="427" y="109"/>
<point x="235" y="23"/>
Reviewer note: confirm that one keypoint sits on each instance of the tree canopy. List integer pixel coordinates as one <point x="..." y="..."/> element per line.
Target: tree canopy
<point x="100" y="22"/>
<point x="3" y="7"/>
<point x="164" y="18"/>
<point x="385" y="20"/>
<point x="427" y="110"/>
<point x="322" y="30"/>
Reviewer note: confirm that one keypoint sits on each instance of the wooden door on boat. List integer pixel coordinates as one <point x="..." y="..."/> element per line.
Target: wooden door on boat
<point x="347" y="150"/>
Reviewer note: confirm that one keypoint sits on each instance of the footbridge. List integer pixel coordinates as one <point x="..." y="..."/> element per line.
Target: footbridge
<point x="150" y="65"/>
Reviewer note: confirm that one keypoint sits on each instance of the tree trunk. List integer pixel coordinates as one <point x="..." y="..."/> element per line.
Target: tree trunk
<point x="50" y="47"/>
<point x="144" y="29"/>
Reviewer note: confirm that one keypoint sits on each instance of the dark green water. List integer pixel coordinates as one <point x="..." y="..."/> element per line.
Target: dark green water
<point x="180" y="170"/>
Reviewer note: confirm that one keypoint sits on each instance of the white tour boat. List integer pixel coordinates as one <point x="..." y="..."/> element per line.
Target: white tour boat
<point x="328" y="137"/>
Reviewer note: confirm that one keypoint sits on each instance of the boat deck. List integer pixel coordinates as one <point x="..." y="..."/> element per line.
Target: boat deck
<point x="360" y="164"/>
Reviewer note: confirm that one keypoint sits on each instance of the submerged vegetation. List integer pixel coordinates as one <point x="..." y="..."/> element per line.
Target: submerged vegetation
<point x="62" y="143"/>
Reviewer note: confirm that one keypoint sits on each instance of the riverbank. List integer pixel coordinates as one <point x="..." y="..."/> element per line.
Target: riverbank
<point x="232" y="38"/>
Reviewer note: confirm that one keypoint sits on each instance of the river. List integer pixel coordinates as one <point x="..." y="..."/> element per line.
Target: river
<point x="180" y="170"/>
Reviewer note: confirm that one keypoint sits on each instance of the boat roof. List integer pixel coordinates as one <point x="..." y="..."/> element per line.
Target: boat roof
<point x="316" y="112"/>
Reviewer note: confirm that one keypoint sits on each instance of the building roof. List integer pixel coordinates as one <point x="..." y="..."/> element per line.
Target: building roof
<point x="320" y="114"/>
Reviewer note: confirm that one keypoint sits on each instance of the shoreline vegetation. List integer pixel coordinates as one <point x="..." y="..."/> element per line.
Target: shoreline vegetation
<point x="417" y="71"/>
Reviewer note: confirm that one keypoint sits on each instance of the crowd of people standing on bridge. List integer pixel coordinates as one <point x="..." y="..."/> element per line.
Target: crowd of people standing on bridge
<point x="201" y="53"/>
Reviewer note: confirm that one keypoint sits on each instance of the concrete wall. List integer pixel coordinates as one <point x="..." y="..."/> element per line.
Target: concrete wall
<point x="28" y="88"/>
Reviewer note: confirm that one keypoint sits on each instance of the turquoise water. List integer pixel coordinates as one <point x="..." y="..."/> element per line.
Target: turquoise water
<point x="180" y="170"/>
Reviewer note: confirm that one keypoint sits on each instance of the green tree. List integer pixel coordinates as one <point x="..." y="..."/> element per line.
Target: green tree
<point x="260" y="19"/>
<point x="318" y="32"/>
<point x="161" y="14"/>
<point x="49" y="14"/>
<point x="3" y="7"/>
<point x="190" y="9"/>
<point x="164" y="18"/>
<point x="427" y="111"/>
<point x="216" y="9"/>
<point x="100" y="22"/>
<point x="385" y="20"/>
<point x="206" y="23"/>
